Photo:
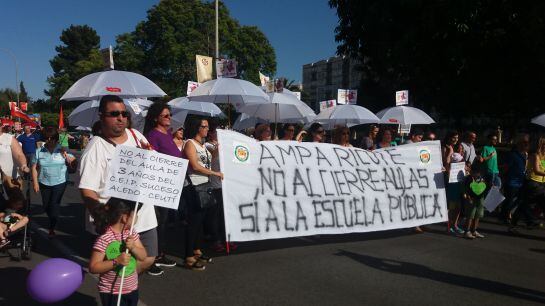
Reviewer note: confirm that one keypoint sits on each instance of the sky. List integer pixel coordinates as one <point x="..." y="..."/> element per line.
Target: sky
<point x="301" y="32"/>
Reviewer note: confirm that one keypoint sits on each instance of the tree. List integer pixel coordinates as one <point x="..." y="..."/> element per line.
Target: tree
<point x="163" y="47"/>
<point x="6" y="95"/>
<point x="77" y="57"/>
<point x="461" y="57"/>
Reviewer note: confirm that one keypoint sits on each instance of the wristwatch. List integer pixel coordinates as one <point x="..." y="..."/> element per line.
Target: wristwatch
<point x="115" y="263"/>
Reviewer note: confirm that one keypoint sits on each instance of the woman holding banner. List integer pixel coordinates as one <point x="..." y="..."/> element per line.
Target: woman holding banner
<point x="452" y="152"/>
<point x="385" y="139"/>
<point x="157" y="131"/>
<point x="316" y="133"/>
<point x="199" y="173"/>
<point x="341" y="136"/>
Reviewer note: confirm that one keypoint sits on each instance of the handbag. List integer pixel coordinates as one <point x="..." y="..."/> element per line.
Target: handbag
<point x="203" y="194"/>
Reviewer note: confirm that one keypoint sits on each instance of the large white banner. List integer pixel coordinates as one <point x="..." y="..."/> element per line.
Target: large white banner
<point x="277" y="189"/>
<point x="146" y="176"/>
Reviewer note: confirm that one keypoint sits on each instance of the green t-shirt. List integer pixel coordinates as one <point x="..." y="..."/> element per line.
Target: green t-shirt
<point x="63" y="139"/>
<point x="491" y="164"/>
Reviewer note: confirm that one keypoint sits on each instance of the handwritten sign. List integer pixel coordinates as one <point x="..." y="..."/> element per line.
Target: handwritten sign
<point x="457" y="172"/>
<point x="278" y="189"/>
<point x="226" y="68"/>
<point x="402" y="97"/>
<point x="146" y="176"/>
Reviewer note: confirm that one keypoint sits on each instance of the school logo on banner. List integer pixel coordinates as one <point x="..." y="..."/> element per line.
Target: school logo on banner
<point x="425" y="155"/>
<point x="242" y="153"/>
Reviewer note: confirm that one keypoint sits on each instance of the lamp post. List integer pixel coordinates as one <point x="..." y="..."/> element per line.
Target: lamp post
<point x="16" y="72"/>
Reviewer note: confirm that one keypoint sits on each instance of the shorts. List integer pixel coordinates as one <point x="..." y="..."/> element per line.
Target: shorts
<point x="475" y="210"/>
<point x="150" y="242"/>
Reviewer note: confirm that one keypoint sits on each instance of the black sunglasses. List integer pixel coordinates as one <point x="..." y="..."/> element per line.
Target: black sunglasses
<point x="123" y="114"/>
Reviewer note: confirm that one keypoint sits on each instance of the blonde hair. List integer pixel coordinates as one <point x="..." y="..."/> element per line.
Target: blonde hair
<point x="540" y="150"/>
<point x="338" y="134"/>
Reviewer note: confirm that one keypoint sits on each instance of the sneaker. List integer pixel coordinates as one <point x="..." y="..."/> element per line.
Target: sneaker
<point x="155" y="270"/>
<point x="163" y="261"/>
<point x="478" y="235"/>
<point x="459" y="230"/>
<point x="452" y="231"/>
<point x="468" y="235"/>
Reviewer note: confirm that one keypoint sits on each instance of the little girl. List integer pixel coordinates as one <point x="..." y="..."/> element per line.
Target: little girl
<point x="113" y="222"/>
<point x="475" y="190"/>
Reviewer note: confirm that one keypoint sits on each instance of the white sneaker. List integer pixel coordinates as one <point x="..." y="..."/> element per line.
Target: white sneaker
<point x="478" y="235"/>
<point x="468" y="235"/>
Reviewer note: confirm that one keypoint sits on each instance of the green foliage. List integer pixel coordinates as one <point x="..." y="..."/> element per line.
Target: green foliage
<point x="77" y="57"/>
<point x="458" y="56"/>
<point x="6" y="95"/>
<point x="163" y="47"/>
<point x="23" y="95"/>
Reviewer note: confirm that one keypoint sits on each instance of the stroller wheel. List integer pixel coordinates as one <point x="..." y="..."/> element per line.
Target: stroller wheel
<point x="27" y="252"/>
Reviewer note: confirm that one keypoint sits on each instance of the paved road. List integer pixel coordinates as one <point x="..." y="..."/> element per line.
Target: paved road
<point x="384" y="268"/>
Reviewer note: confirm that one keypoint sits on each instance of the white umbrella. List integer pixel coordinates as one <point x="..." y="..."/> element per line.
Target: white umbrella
<point x="86" y="114"/>
<point x="245" y="122"/>
<point x="83" y="128"/>
<point x="539" y="120"/>
<point x="404" y="115"/>
<point x="345" y="115"/>
<point x="195" y="107"/>
<point x="231" y="91"/>
<point x="114" y="82"/>
<point x="283" y="108"/>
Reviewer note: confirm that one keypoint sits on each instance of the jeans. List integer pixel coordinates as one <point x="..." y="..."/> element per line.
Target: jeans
<point x="51" y="201"/>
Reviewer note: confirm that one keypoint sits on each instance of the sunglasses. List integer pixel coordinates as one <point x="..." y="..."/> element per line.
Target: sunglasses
<point x="290" y="130"/>
<point x="320" y="131"/>
<point x="123" y="114"/>
<point x="166" y="116"/>
<point x="204" y="127"/>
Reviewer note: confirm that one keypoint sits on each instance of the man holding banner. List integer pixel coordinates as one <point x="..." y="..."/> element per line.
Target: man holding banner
<point x="95" y="163"/>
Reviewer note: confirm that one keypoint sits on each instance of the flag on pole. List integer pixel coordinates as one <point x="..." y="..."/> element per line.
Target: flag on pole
<point x="204" y="68"/>
<point x="16" y="112"/>
<point x="226" y="68"/>
<point x="61" y="118"/>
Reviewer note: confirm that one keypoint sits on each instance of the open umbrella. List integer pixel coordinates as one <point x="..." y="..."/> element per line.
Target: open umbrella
<point x="404" y="115"/>
<point x="195" y="107"/>
<point x="245" y="122"/>
<point x="283" y="108"/>
<point x="345" y="115"/>
<point x="114" y="82"/>
<point x="230" y="91"/>
<point x="86" y="114"/>
<point x="539" y="120"/>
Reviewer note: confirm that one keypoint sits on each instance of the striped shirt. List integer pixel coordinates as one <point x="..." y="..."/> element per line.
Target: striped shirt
<point x="109" y="282"/>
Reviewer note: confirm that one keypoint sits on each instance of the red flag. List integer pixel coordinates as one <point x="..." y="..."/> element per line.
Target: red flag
<point x="16" y="112"/>
<point x="61" y="119"/>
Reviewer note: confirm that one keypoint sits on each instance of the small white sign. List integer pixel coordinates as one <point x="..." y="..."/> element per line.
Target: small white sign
<point x="297" y="94"/>
<point x="402" y="97"/>
<point x="493" y="199"/>
<point x="327" y="104"/>
<point x="347" y="96"/>
<point x="226" y="68"/>
<point x="457" y="172"/>
<point x="146" y="176"/>
<point x="191" y="86"/>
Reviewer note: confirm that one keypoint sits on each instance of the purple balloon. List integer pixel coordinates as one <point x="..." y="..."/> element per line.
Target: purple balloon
<point x="54" y="280"/>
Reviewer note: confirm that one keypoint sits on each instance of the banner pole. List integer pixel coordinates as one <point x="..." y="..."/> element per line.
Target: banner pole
<point x="227" y="246"/>
<point x="126" y="252"/>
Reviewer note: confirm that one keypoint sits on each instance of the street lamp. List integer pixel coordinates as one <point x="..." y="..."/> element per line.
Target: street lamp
<point x="16" y="72"/>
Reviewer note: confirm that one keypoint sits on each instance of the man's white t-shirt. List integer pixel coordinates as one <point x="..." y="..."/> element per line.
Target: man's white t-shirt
<point x="94" y="167"/>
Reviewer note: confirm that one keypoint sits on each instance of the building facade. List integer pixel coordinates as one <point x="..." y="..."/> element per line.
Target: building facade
<point x="322" y="79"/>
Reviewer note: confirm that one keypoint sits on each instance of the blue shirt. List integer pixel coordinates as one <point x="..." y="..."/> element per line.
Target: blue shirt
<point x="28" y="142"/>
<point x="53" y="170"/>
<point x="516" y="169"/>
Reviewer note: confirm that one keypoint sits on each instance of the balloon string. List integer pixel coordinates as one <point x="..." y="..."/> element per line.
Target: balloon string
<point x="126" y="252"/>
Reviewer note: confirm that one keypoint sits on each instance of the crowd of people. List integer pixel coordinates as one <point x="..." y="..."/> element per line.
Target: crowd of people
<point x="522" y="179"/>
